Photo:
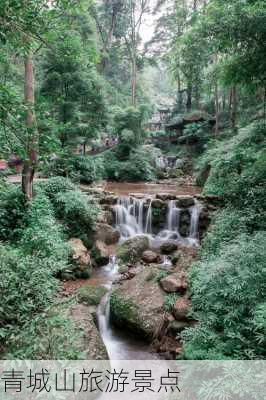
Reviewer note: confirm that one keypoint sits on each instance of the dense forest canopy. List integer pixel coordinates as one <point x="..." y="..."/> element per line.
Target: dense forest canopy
<point x="93" y="91"/>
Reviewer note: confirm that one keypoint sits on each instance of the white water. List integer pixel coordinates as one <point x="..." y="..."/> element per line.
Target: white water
<point x="134" y="217"/>
<point x="173" y="217"/>
<point x="119" y="345"/>
<point x="131" y="218"/>
<point x="195" y="212"/>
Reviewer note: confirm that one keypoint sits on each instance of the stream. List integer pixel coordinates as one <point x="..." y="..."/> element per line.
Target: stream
<point x="134" y="216"/>
<point x="120" y="345"/>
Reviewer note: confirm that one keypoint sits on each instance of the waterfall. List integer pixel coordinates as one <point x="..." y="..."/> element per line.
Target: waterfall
<point x="130" y="217"/>
<point x="173" y="216"/>
<point x="133" y="217"/>
<point x="194" y="221"/>
<point x="148" y="226"/>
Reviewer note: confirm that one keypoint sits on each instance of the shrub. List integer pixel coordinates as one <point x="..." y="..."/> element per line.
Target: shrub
<point x="77" y="211"/>
<point x="229" y="302"/>
<point x="86" y="169"/>
<point x="51" y="335"/>
<point x="112" y="166"/>
<point x="12" y="212"/>
<point x="56" y="185"/>
<point x="227" y="224"/>
<point x="169" y="301"/>
<point x="139" y="167"/>
<point x="43" y="235"/>
<point x="27" y="286"/>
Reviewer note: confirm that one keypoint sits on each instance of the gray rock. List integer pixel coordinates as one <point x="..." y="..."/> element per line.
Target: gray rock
<point x="174" y="283"/>
<point x="185" y="201"/>
<point x="150" y="257"/>
<point x="106" y="234"/>
<point x="168" y="247"/>
<point x="138" y="305"/>
<point x="132" y="249"/>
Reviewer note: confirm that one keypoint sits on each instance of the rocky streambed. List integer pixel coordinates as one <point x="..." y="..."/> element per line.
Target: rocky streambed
<point x="140" y="275"/>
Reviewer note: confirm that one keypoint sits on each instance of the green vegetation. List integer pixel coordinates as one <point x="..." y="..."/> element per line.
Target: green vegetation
<point x="91" y="295"/>
<point x="228" y="284"/>
<point x="51" y="335"/>
<point x="169" y="302"/>
<point x="36" y="251"/>
<point x="83" y="98"/>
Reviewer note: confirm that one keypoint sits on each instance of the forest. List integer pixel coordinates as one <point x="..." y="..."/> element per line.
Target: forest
<point x="132" y="179"/>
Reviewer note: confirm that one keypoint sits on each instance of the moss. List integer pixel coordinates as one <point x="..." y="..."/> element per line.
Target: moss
<point x="124" y="313"/>
<point x="91" y="295"/>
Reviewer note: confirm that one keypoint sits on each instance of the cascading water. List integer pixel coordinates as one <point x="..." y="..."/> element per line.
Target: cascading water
<point x="134" y="217"/>
<point x="173" y="216"/>
<point x="131" y="218"/>
<point x="148" y="225"/>
<point x="194" y="221"/>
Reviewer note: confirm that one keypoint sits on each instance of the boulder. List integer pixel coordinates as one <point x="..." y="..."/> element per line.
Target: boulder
<point x="132" y="249"/>
<point x="177" y="327"/>
<point x="149" y="257"/>
<point x="101" y="253"/>
<point x="138" y="305"/>
<point x="175" y="283"/>
<point x="109" y="199"/>
<point x="105" y="217"/>
<point x="89" y="340"/>
<point x="175" y="257"/>
<point x="157" y="203"/>
<point x="91" y="295"/>
<point x="165" y="196"/>
<point x="106" y="234"/>
<point x="181" y="308"/>
<point x="185" y="201"/>
<point x="81" y="255"/>
<point x="168" y="247"/>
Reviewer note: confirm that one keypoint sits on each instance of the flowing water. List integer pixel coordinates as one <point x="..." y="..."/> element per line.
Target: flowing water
<point x="133" y="216"/>
<point x="120" y="345"/>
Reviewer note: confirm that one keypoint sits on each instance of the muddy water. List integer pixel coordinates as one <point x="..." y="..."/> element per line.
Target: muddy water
<point x="150" y="189"/>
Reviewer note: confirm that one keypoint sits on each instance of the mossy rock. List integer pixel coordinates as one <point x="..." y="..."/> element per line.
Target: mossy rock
<point x="91" y="295"/>
<point x="124" y="313"/>
<point x="131" y="250"/>
<point x="137" y="304"/>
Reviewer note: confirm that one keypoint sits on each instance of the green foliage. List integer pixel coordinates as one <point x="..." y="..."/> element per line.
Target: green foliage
<point x="228" y="301"/>
<point x="49" y="336"/>
<point x="139" y="167"/>
<point x="86" y="169"/>
<point x="56" y="185"/>
<point x="12" y="212"/>
<point x="27" y="286"/>
<point x="77" y="211"/>
<point x="169" y="301"/>
<point x="238" y="171"/>
<point x="43" y="236"/>
<point x="91" y="295"/>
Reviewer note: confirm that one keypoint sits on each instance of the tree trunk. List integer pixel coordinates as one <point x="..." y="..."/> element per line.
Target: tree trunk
<point x="30" y="162"/>
<point x="134" y="81"/>
<point x="217" y="109"/>
<point x="189" y="97"/>
<point x="233" y="108"/>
